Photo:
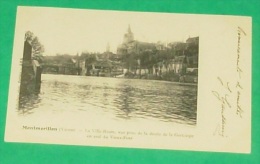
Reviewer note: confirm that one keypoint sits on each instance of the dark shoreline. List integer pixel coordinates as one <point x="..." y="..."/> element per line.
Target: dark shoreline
<point x="144" y="79"/>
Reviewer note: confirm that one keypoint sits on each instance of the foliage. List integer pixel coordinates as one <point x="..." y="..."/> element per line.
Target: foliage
<point x="37" y="47"/>
<point x="129" y="60"/>
<point x="88" y="57"/>
<point x="146" y="59"/>
<point x="58" y="59"/>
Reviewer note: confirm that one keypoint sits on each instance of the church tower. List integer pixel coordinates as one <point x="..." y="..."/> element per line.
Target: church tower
<point x="108" y="47"/>
<point x="129" y="36"/>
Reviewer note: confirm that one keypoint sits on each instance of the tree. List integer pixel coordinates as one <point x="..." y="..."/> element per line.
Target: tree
<point x="88" y="57"/>
<point x="37" y="47"/>
<point x="130" y="60"/>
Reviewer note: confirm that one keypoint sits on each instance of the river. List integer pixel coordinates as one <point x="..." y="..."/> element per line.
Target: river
<point x="113" y="98"/>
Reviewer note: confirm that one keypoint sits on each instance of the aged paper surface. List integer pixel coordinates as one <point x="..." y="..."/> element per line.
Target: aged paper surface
<point x="134" y="112"/>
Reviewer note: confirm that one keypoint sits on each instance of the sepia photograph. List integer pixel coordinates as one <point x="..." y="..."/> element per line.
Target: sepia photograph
<point x="129" y="79"/>
<point x="149" y="76"/>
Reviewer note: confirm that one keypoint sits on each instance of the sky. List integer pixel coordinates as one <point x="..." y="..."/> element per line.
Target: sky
<point x="73" y="31"/>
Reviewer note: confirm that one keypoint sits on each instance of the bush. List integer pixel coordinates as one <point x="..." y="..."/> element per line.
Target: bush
<point x="171" y="76"/>
<point x="129" y="75"/>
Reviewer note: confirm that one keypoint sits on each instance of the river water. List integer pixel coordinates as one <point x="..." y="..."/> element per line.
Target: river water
<point x="113" y="98"/>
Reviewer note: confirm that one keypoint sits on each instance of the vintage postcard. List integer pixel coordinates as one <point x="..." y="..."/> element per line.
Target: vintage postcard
<point x="131" y="79"/>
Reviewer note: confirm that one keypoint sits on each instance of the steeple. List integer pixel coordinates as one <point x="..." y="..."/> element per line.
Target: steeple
<point x="129" y="36"/>
<point x="129" y="29"/>
<point x="108" y="48"/>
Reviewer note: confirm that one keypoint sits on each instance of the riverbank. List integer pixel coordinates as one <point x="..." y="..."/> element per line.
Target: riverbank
<point x="138" y="77"/>
<point x="170" y="77"/>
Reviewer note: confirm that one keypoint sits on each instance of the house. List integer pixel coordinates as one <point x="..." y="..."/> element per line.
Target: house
<point x="69" y="67"/>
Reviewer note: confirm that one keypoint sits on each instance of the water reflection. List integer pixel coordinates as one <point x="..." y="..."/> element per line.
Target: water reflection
<point x="27" y="103"/>
<point x="166" y="102"/>
<point x="121" y="98"/>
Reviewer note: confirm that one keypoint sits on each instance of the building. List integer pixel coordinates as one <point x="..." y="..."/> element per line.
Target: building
<point x="192" y="52"/>
<point x="129" y="36"/>
<point x="158" y="59"/>
<point x="131" y="46"/>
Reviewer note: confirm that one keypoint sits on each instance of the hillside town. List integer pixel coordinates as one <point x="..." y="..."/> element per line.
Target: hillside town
<point x="173" y="61"/>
